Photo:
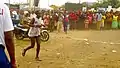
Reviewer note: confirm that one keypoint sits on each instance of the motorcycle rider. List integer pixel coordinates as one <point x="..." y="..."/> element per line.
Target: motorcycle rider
<point x="25" y="21"/>
<point x="34" y="34"/>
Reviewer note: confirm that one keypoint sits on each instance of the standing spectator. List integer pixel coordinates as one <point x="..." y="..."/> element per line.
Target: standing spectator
<point x="73" y="20"/>
<point x="102" y="21"/>
<point x="21" y="16"/>
<point x="65" y="23"/>
<point x="86" y="23"/>
<point x="109" y="17"/>
<point x="55" y="18"/>
<point x="51" y="25"/>
<point x="46" y="18"/>
<point x="60" y="21"/>
<point x="99" y="18"/>
<point x="115" y="22"/>
<point x="94" y="18"/>
<point x="6" y="38"/>
<point x="119" y="20"/>
<point x="79" y="13"/>
<point x="15" y="18"/>
<point x="90" y="17"/>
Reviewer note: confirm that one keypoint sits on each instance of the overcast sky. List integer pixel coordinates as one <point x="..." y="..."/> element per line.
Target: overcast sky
<point x="44" y="3"/>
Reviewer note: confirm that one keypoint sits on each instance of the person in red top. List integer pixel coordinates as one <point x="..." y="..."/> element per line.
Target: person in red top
<point x="90" y="17"/>
<point x="79" y="13"/>
<point x="73" y="20"/>
<point x="46" y="18"/>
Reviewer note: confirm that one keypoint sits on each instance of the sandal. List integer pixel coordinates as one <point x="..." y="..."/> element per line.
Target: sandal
<point x="37" y="59"/>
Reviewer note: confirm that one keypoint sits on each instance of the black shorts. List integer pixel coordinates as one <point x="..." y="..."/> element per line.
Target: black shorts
<point x="35" y="36"/>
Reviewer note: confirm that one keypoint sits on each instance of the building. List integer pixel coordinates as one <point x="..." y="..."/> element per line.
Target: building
<point x="72" y="6"/>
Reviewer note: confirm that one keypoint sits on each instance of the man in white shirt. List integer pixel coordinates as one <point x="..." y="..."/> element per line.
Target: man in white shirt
<point x="6" y="38"/>
<point x="98" y="18"/>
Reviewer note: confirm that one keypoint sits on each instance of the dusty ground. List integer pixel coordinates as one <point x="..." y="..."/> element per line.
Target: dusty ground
<point x="77" y="49"/>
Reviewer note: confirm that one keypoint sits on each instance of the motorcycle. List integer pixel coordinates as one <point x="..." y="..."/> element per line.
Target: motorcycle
<point x="21" y="33"/>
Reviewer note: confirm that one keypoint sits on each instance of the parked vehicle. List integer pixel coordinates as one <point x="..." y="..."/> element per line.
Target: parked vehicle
<point x="21" y="33"/>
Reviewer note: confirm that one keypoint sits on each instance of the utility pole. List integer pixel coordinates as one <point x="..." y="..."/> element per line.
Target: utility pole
<point x="79" y="1"/>
<point x="29" y="4"/>
<point x="48" y="3"/>
<point x="39" y="4"/>
<point x="19" y="2"/>
<point x="34" y="4"/>
<point x="9" y="3"/>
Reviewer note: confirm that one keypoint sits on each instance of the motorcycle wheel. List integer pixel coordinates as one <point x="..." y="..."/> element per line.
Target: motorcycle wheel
<point x="44" y="36"/>
<point x="19" y="36"/>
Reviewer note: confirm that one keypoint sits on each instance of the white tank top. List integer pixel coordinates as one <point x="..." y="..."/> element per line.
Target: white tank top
<point x="35" y="31"/>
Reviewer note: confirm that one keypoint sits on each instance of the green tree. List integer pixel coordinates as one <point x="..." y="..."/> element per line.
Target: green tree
<point x="54" y="7"/>
<point x="106" y="3"/>
<point x="84" y="4"/>
<point x="113" y="3"/>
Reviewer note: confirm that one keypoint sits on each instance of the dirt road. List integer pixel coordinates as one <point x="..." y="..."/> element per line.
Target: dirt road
<point x="77" y="49"/>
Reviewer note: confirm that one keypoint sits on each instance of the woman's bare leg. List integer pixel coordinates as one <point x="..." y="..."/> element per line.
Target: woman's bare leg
<point x="38" y="47"/>
<point x="29" y="47"/>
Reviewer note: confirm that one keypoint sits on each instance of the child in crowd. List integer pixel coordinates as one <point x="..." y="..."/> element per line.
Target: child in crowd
<point x="86" y="23"/>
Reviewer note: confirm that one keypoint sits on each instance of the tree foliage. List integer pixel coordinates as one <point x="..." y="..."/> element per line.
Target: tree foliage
<point x="54" y="7"/>
<point x="106" y="3"/>
<point x="84" y="4"/>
